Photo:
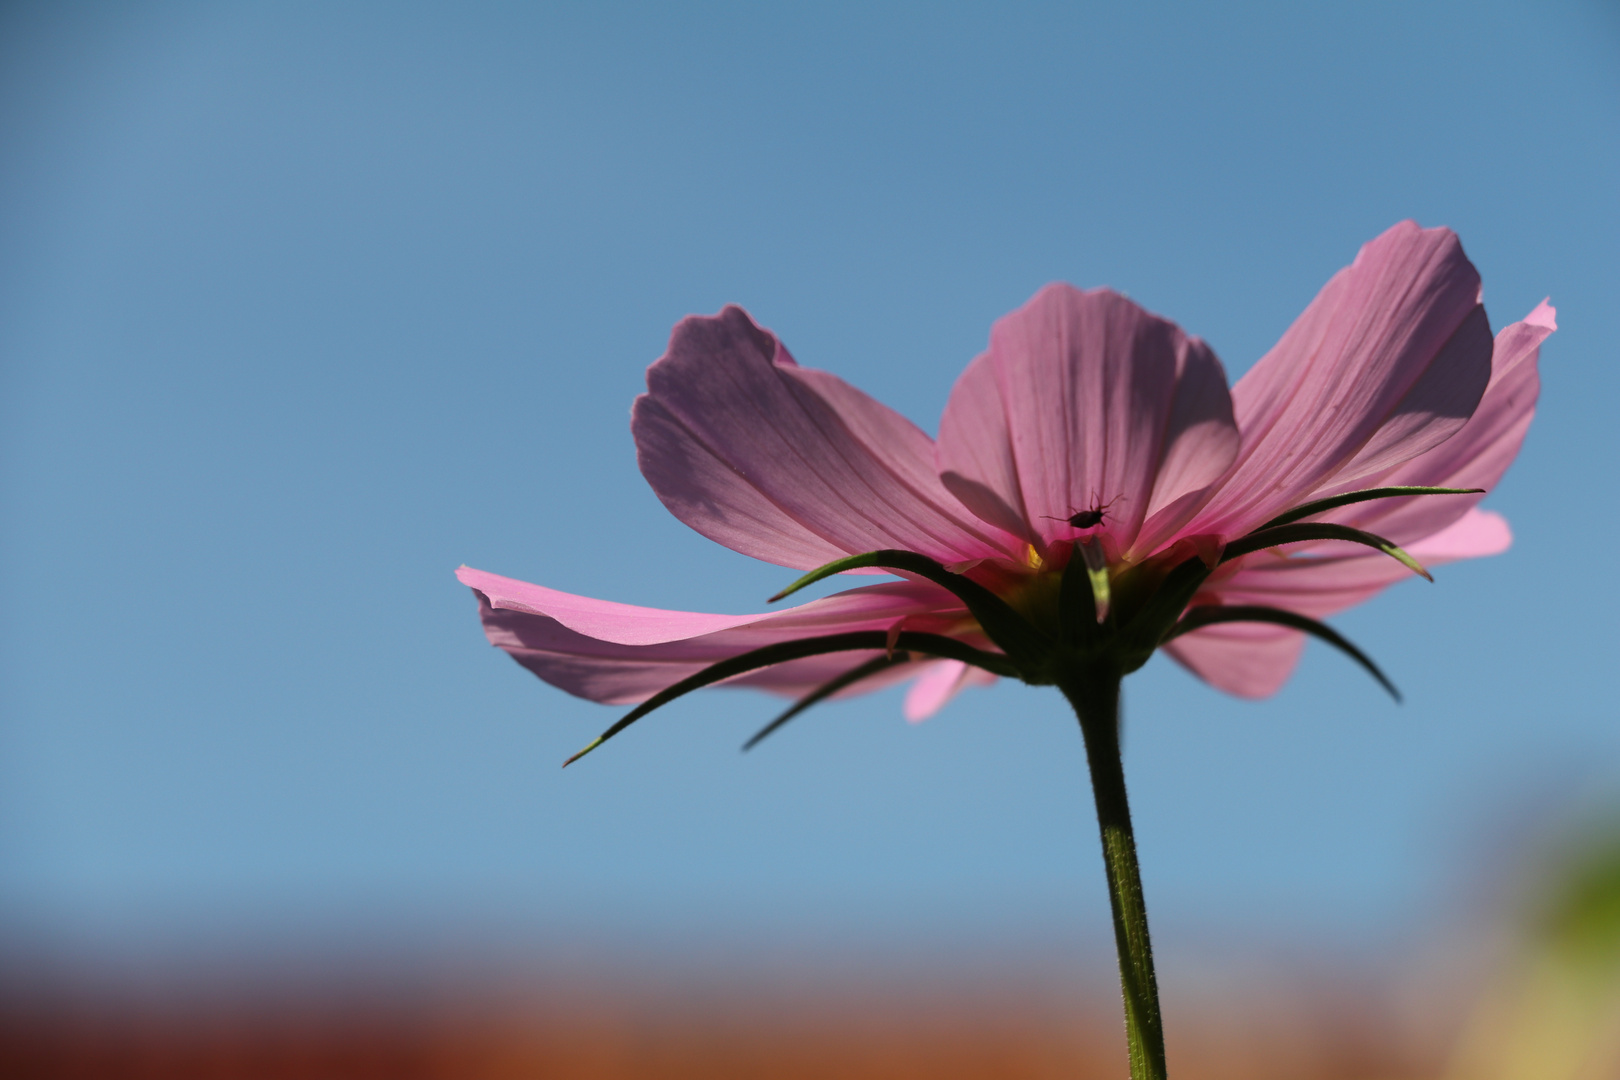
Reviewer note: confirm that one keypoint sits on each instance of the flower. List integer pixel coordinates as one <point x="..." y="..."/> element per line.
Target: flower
<point x="1096" y="493"/>
<point x="1091" y="433"/>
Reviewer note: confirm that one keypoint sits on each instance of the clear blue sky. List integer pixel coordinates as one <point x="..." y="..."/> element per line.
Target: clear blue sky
<point x="304" y="305"/>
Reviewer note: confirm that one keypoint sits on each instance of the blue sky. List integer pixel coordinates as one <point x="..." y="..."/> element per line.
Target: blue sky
<point x="304" y="305"/>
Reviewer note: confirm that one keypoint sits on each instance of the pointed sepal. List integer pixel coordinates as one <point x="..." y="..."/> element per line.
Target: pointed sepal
<point x="1300" y="532"/>
<point x="1102" y="599"/>
<point x="827" y="689"/>
<point x="1077" y="602"/>
<point x="1212" y="615"/>
<point x="784" y="651"/>
<point x="1333" y="502"/>
<point x="1137" y="639"/>
<point x="1017" y="637"/>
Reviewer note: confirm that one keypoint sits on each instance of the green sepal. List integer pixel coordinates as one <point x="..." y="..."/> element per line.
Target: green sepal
<point x="1137" y="640"/>
<point x="783" y="651"/>
<point x="1333" y="502"/>
<point x="828" y="689"/>
<point x="1200" y="617"/>
<point x="1318" y="530"/>
<point x="1077" y="602"/>
<point x="1026" y="645"/>
<point x="1102" y="598"/>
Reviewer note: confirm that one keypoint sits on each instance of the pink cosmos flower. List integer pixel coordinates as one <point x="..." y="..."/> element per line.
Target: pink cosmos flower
<point x="1092" y="432"/>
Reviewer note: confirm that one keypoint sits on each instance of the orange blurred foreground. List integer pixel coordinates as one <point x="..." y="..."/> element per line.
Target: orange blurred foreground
<point x="491" y="1033"/>
<point x="1543" y="1004"/>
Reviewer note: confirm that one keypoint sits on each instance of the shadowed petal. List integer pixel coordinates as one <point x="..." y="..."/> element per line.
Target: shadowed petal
<point x="619" y="653"/>
<point x="626" y="674"/>
<point x="1388" y="361"/>
<point x="1475" y="457"/>
<point x="791" y="466"/>
<point x="975" y="453"/>
<point x="1085" y="399"/>
<point x="1322" y="579"/>
<point x="1201" y="441"/>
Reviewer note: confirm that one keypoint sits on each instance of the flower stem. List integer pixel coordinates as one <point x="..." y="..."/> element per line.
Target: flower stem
<point x="1094" y="693"/>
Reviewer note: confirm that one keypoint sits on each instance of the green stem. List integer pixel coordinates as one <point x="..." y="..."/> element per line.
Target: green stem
<point x="1094" y="693"/>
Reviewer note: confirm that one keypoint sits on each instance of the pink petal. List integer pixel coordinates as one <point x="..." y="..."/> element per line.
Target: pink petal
<point x="605" y="620"/>
<point x="940" y="681"/>
<point x="1251" y="660"/>
<point x="1388" y="361"/>
<point x="791" y="466"/>
<point x="618" y="653"/>
<point x="1085" y="400"/>
<point x="1323" y="579"/>
<point x="1476" y="534"/>
<point x="1475" y="457"/>
<point x="626" y="674"/>
<point x="1314" y="587"/>
<point x="875" y="607"/>
<point x="1255" y="659"/>
<point x="975" y="454"/>
<point x="1320" y="587"/>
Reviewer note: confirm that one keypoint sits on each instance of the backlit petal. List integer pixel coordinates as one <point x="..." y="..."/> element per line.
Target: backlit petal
<point x="1085" y="400"/>
<point x="1388" y="361"/>
<point x="788" y="465"/>
<point x="1322" y="584"/>
<point x="939" y="682"/>
<point x="1475" y="457"/>
<point x="619" y="653"/>
<point x="1251" y="660"/>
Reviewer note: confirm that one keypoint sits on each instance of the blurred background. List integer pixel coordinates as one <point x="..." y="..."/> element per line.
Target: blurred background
<point x="304" y="305"/>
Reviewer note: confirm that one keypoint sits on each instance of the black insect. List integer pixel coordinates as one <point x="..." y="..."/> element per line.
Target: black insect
<point x="1089" y="519"/>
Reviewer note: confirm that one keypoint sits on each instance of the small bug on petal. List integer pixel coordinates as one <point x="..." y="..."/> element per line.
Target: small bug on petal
<point x="1088" y="519"/>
